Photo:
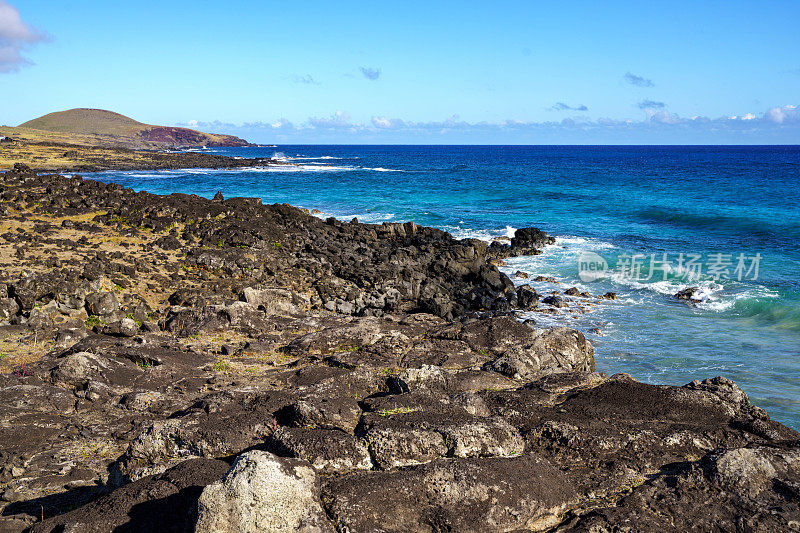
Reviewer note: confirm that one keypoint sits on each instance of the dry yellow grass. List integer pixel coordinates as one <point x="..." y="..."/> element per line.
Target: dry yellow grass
<point x="65" y="157"/>
<point x="31" y="135"/>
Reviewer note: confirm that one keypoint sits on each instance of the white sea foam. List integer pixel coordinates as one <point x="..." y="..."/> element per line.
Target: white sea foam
<point x="584" y="241"/>
<point x="304" y="158"/>
<point x="459" y="232"/>
<point x="371" y="218"/>
<point x="294" y="168"/>
<point x="368" y="218"/>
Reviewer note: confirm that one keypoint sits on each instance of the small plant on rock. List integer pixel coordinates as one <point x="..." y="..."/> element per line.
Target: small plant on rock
<point x="221" y="366"/>
<point x="93" y="321"/>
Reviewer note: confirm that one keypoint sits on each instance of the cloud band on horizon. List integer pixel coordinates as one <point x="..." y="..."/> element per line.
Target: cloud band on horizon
<point x="339" y="127"/>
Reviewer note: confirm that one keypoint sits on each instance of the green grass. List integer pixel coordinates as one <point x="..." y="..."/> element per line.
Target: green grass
<point x="353" y="348"/>
<point x="397" y="411"/>
<point x="221" y="366"/>
<point x="136" y="320"/>
<point x="93" y="321"/>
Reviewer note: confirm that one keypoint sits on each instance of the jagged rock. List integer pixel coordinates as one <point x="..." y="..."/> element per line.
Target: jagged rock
<point x="102" y="304"/>
<point x="238" y="315"/>
<point x="275" y="301"/>
<point x="66" y="336"/>
<point x="750" y="489"/>
<point x="331" y="403"/>
<point x="558" y="349"/>
<point x="8" y="308"/>
<point x="263" y="493"/>
<point x="531" y="238"/>
<point x="527" y="298"/>
<point x="555" y="301"/>
<point x="687" y="293"/>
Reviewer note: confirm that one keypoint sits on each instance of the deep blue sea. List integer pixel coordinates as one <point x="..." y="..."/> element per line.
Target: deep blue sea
<point x="723" y="219"/>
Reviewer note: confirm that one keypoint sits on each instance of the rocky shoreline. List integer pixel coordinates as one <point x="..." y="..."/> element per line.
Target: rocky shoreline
<point x="172" y="363"/>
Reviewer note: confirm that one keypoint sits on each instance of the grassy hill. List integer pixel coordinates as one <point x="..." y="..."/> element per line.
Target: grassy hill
<point x="98" y="127"/>
<point x="86" y="121"/>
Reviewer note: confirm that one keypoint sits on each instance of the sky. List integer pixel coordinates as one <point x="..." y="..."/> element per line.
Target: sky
<point x="412" y="72"/>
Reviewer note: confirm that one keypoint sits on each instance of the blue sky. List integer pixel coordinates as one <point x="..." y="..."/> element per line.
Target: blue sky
<point x="415" y="72"/>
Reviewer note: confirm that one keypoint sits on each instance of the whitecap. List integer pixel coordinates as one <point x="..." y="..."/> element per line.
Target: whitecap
<point x="575" y="240"/>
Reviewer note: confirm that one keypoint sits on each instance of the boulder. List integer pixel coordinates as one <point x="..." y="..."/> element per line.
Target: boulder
<point x="531" y="238"/>
<point x="8" y="308"/>
<point x="102" y="304"/>
<point x="275" y="301"/>
<point x="263" y="493"/>
<point x="555" y="301"/>
<point x="527" y="298"/>
<point x="552" y="350"/>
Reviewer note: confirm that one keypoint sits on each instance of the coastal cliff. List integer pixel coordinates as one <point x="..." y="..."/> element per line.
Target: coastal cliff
<point x="173" y="363"/>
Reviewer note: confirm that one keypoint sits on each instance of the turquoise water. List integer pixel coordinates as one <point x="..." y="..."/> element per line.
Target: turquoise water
<point x="617" y="202"/>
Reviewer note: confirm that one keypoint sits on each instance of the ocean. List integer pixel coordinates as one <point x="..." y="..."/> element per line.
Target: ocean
<point x="642" y="221"/>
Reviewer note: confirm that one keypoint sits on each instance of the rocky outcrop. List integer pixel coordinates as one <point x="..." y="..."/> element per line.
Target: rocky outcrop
<point x="526" y="241"/>
<point x="272" y="371"/>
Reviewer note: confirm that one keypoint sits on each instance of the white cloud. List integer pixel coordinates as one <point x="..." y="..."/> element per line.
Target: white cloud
<point x="381" y="122"/>
<point x="282" y="124"/>
<point x="780" y="115"/>
<point x="663" y="117"/>
<point x="192" y="123"/>
<point x="15" y="36"/>
<point x="386" y="123"/>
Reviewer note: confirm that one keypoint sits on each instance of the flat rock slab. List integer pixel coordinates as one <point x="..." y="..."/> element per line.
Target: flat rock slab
<point x="493" y="494"/>
<point x="403" y="437"/>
